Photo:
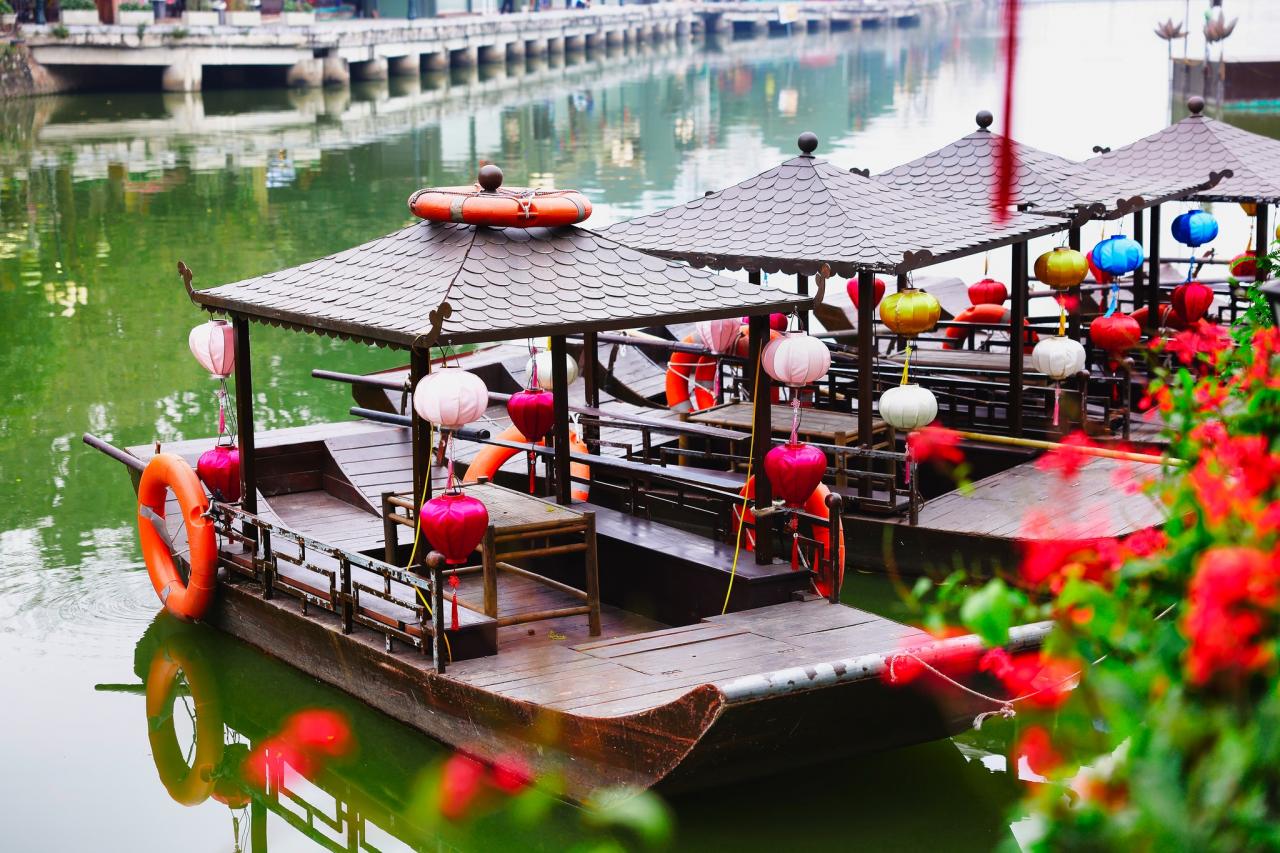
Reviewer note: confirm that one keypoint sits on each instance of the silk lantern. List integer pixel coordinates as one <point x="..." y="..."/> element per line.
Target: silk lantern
<point x="908" y="407"/>
<point x="794" y="471"/>
<point x="450" y="398"/>
<point x="1191" y="300"/>
<point x="910" y="312"/>
<point x="719" y="336"/>
<point x="454" y="523"/>
<point x="796" y="359"/>
<point x="1059" y="358"/>
<point x="851" y="287"/>
<point x="1118" y="255"/>
<point x="1194" y="228"/>
<point x="543" y="362"/>
<point x="219" y="469"/>
<point x="988" y="292"/>
<point x="1115" y="333"/>
<point x="1061" y="268"/>
<point x="533" y="413"/>
<point x="214" y="346"/>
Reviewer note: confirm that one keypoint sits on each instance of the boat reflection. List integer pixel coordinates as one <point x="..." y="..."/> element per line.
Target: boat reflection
<point x="220" y="717"/>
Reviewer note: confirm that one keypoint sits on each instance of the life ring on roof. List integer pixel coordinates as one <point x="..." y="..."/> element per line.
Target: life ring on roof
<point x="492" y="457"/>
<point x="187" y="599"/>
<point x="188" y="784"/>
<point x="503" y="208"/>
<point x="986" y="312"/>
<point x="815" y="505"/>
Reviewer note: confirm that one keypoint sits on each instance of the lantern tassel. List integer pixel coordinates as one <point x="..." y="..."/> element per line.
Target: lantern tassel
<point x="906" y="363"/>
<point x="1062" y="316"/>
<point x="453" y="610"/>
<point x="533" y="476"/>
<point x="795" y="543"/>
<point x="1057" y="398"/>
<point x="795" y="417"/>
<point x="1113" y="299"/>
<point x="1006" y="157"/>
<point x="906" y="476"/>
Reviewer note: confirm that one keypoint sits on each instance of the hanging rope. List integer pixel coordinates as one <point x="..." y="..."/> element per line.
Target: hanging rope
<point x="751" y="453"/>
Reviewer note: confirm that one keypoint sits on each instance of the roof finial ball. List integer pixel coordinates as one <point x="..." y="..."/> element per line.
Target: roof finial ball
<point x="1196" y="104"/>
<point x="984" y="118"/>
<point x="808" y="143"/>
<point x="490" y="178"/>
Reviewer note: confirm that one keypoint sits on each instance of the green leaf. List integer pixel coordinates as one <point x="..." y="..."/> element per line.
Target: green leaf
<point x="989" y="612"/>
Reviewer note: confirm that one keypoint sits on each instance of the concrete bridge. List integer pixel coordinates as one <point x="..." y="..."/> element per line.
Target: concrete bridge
<point x="325" y="53"/>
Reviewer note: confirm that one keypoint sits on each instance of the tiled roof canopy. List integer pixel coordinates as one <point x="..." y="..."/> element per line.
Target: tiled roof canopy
<point x="1198" y="143"/>
<point x="500" y="284"/>
<point x="806" y="212"/>
<point x="965" y="170"/>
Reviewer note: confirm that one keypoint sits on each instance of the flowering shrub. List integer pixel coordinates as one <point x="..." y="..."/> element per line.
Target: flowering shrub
<point x="1152" y="713"/>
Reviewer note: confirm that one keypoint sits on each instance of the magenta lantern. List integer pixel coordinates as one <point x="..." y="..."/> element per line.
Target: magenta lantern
<point x="214" y="346"/>
<point x="851" y="287"/>
<point x="454" y="524"/>
<point x="777" y="321"/>
<point x="532" y="412"/>
<point x="794" y="471"/>
<point x="719" y="335"/>
<point x="219" y="470"/>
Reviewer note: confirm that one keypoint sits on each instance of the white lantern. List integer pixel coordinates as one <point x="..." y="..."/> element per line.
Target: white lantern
<point x="908" y="407"/>
<point x="214" y="346"/>
<point x="719" y="336"/>
<point x="796" y="359"/>
<point x="450" y="398"/>
<point x="1058" y="357"/>
<point x="544" y="371"/>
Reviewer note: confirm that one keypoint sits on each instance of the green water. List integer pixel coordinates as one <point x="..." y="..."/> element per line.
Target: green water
<point x="101" y="195"/>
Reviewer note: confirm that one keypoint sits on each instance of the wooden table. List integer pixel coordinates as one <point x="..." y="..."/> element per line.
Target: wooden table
<point x="818" y="425"/>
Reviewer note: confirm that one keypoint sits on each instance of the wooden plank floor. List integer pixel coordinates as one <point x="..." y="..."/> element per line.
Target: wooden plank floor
<point x="634" y="671"/>
<point x="1095" y="503"/>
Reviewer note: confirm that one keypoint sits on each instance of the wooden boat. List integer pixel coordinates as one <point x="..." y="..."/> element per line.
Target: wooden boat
<point x="618" y="640"/>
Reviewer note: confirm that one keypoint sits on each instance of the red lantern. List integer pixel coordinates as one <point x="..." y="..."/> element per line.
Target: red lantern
<point x="454" y="524"/>
<point x="1245" y="265"/>
<point x="219" y="470"/>
<point x="1191" y="300"/>
<point x="851" y="287"/>
<point x="1169" y="318"/>
<point x="532" y="412"/>
<point x="1098" y="275"/>
<point x="794" y="471"/>
<point x="988" y="292"/>
<point x="1116" y="333"/>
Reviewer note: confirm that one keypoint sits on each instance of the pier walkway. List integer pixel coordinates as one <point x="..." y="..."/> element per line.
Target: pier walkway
<point x="334" y="52"/>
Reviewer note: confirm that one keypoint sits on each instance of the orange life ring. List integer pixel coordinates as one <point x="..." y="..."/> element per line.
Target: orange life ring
<point x="505" y="208"/>
<point x="188" y="784"/>
<point x="815" y="505"/>
<point x="681" y="368"/>
<point x="185" y="599"/>
<point x="492" y="457"/>
<point x="984" y="313"/>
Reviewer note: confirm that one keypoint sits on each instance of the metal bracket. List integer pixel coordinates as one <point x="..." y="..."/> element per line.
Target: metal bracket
<point x="185" y="272"/>
<point x="824" y="273"/>
<point x="426" y="340"/>
<point x="1216" y="178"/>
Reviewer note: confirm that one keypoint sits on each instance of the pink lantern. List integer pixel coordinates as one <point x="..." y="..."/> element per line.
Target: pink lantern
<point x="532" y="412"/>
<point x="454" y="524"/>
<point x="450" y="398"/>
<point x="794" y="471"/>
<point x="719" y="336"/>
<point x="214" y="346"/>
<point x="796" y="359"/>
<point x="851" y="288"/>
<point x="219" y="470"/>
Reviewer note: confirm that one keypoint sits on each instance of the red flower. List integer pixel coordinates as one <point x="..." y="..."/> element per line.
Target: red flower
<point x="1201" y="340"/>
<point x="319" y="730"/>
<point x="1036" y="748"/>
<point x="1232" y="597"/>
<point x="935" y="443"/>
<point x="460" y="785"/>
<point x="511" y="774"/>
<point x="1146" y="542"/>
<point x="1043" y="681"/>
<point x="1066" y="458"/>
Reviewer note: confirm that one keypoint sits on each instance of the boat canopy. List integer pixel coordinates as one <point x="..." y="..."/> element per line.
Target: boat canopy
<point x="807" y="212"/>
<point x="1199" y="143"/>
<point x="964" y="172"/>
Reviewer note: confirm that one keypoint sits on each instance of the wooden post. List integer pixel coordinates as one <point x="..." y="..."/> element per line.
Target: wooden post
<point x="257" y="808"/>
<point x="347" y="603"/>
<point x="419" y="431"/>
<point x="762" y="427"/>
<point x="835" y="546"/>
<point x="753" y="276"/>
<point x="489" y="572"/>
<point x="1017" y="317"/>
<point x="866" y="356"/>
<point x="1139" y="275"/>
<point x="1262" y="242"/>
<point x="244" y="421"/>
<point x="1153" y="273"/>
<point x="1073" y="316"/>
<point x="593" y="574"/>
<point x="434" y="561"/>
<point x="560" y="393"/>
<point x="591" y="389"/>
<point x="390" y="533"/>
<point x="802" y="289"/>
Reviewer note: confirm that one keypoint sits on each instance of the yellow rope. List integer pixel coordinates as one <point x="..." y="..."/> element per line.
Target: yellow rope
<point x="1062" y="317"/>
<point x="417" y="535"/>
<point x="906" y="362"/>
<point x="751" y="454"/>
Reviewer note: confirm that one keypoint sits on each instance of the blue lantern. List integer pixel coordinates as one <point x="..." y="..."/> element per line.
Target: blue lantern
<point x="1118" y="255"/>
<point x="1195" y="228"/>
